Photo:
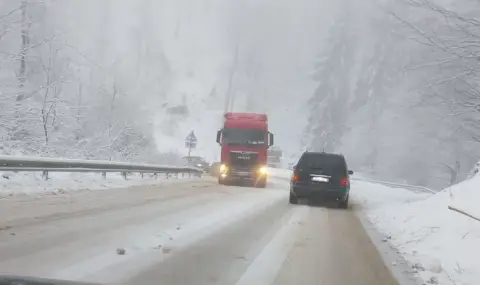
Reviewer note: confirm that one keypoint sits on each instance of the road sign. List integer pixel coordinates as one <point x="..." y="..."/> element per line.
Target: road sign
<point x="190" y="145"/>
<point x="191" y="140"/>
<point x="191" y="136"/>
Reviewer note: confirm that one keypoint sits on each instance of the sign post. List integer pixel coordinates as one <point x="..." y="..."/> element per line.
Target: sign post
<point x="190" y="143"/>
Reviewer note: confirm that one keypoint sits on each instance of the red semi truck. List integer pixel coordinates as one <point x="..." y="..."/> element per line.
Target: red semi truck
<point x="244" y="141"/>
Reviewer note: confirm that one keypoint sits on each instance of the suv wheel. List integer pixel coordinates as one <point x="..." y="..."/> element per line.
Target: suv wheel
<point x="293" y="199"/>
<point x="343" y="204"/>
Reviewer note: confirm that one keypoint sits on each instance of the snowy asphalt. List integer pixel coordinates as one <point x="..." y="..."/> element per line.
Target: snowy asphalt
<point x="194" y="232"/>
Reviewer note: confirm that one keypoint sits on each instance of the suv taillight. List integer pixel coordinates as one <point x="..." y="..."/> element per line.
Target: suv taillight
<point x="295" y="177"/>
<point x="344" y="181"/>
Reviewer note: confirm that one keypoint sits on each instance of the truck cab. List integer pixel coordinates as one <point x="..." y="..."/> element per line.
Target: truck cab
<point x="244" y="140"/>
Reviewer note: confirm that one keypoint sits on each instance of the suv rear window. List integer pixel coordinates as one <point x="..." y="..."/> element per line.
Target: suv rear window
<point x="323" y="163"/>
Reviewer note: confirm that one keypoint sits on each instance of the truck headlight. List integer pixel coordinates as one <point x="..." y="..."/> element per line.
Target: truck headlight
<point x="223" y="168"/>
<point x="263" y="170"/>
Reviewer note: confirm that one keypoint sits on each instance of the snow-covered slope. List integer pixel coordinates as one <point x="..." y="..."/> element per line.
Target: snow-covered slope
<point x="441" y="244"/>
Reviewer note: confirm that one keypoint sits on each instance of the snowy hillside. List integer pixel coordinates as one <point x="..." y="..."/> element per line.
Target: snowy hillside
<point x="128" y="80"/>
<point x="201" y="47"/>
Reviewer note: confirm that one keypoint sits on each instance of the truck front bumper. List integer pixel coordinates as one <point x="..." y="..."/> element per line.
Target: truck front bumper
<point x="234" y="174"/>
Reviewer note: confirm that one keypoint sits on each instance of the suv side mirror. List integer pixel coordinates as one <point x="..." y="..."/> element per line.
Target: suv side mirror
<point x="270" y="139"/>
<point x="350" y="172"/>
<point x="219" y="135"/>
<point x="294" y="167"/>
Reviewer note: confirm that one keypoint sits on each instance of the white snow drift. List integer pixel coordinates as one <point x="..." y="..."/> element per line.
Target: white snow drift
<point x="439" y="243"/>
<point x="24" y="183"/>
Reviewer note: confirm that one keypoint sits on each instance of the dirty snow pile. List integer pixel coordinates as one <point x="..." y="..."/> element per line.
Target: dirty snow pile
<point x="23" y="183"/>
<point x="441" y="244"/>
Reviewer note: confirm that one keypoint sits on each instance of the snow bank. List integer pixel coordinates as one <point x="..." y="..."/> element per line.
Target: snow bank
<point x="24" y="183"/>
<point x="437" y="242"/>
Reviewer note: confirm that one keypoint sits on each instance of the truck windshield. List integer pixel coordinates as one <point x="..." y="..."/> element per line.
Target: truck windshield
<point x="243" y="137"/>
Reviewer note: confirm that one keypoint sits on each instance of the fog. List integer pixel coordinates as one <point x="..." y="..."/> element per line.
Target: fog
<point x="392" y="84"/>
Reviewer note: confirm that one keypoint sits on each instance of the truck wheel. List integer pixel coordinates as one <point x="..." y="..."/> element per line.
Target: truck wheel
<point x="260" y="184"/>
<point x="293" y="199"/>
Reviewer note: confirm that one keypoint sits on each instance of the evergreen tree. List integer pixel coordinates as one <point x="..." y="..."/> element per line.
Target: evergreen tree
<point x="373" y="85"/>
<point x="328" y="105"/>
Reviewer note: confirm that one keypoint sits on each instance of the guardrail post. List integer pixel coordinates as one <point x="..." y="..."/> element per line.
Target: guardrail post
<point x="189" y="174"/>
<point x="104" y="175"/>
<point x="141" y="174"/>
<point x="166" y="175"/>
<point x="156" y="175"/>
<point x="183" y="174"/>
<point x="45" y="175"/>
<point x="124" y="174"/>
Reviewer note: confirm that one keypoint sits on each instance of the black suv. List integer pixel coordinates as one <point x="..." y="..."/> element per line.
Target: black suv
<point x="320" y="175"/>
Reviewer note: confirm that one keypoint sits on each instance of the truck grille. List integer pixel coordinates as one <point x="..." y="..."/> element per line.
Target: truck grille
<point x="243" y="159"/>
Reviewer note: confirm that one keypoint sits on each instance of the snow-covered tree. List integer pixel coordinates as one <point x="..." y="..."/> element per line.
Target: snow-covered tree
<point x="330" y="101"/>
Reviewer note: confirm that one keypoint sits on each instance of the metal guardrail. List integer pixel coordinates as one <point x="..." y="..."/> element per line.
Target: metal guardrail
<point x="45" y="165"/>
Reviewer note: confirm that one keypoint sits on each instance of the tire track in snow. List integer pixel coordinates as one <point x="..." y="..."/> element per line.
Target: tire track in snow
<point x="197" y="224"/>
<point x="265" y="267"/>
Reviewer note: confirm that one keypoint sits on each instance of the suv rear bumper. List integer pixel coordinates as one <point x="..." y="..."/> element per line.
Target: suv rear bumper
<point x="340" y="194"/>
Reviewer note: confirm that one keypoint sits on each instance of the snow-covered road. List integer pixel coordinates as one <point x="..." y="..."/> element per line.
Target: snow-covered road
<point x="191" y="232"/>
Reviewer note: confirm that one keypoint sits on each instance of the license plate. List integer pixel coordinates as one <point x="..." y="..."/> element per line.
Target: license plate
<point x="320" y="179"/>
<point x="243" y="174"/>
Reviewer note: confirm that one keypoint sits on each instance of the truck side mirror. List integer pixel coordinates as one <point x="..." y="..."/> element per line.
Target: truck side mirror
<point x="219" y="135"/>
<point x="270" y="139"/>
